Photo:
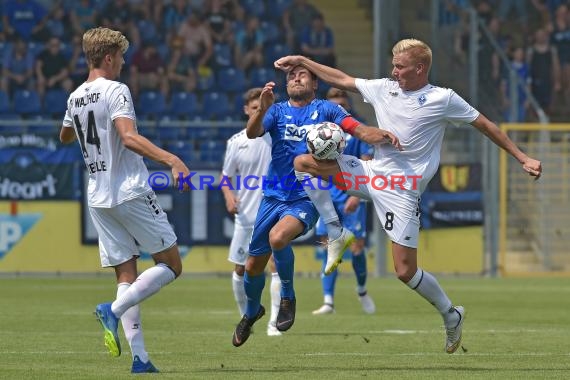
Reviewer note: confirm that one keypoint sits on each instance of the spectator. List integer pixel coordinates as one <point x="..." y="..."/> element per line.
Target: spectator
<point x="295" y="19"/>
<point x="58" y="24"/>
<point x="490" y="69"/>
<point x="52" y="68"/>
<point x="544" y="67"/>
<point x="232" y="8"/>
<point x="181" y="72"/>
<point x="78" y="68"/>
<point x="317" y="42"/>
<point x="197" y="40"/>
<point x="560" y="39"/>
<point x="25" y="19"/>
<point x="505" y="6"/>
<point x="82" y="15"/>
<point x="17" y="68"/>
<point x="148" y="71"/>
<point x="452" y="18"/>
<point x="484" y="10"/>
<point x="249" y="45"/>
<point x="219" y="22"/>
<point x="519" y="65"/>
<point x="174" y="15"/>
<point x="118" y="14"/>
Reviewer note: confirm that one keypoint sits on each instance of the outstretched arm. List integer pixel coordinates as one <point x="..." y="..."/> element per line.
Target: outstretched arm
<point x="370" y="135"/>
<point x="374" y="136"/>
<point x="141" y="145"/>
<point x="332" y="76"/>
<point x="254" y="126"/>
<point x="530" y="165"/>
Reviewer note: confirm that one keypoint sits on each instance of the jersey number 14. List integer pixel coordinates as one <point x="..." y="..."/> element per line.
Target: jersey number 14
<point x="92" y="136"/>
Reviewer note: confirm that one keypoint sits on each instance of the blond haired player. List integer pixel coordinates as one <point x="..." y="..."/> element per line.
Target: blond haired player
<point x="416" y="112"/>
<point x="124" y="209"/>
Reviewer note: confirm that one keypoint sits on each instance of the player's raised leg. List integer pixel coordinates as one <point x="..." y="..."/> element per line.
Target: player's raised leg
<point x="307" y="168"/>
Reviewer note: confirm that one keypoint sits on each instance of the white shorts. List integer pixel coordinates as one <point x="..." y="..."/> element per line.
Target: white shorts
<point x="239" y="247"/>
<point x="398" y="210"/>
<point x="137" y="221"/>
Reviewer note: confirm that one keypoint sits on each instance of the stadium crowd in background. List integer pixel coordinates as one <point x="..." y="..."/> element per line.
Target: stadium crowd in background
<point x="205" y="53"/>
<point x="201" y="36"/>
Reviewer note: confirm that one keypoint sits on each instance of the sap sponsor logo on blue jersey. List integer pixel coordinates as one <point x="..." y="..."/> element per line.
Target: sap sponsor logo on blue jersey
<point x="13" y="229"/>
<point x="295" y="133"/>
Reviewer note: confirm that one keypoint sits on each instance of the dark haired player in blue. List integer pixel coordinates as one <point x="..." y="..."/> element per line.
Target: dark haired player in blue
<point x="286" y="211"/>
<point x="352" y="213"/>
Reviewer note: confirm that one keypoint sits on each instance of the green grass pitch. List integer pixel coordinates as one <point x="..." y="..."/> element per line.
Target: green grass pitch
<point x="515" y="328"/>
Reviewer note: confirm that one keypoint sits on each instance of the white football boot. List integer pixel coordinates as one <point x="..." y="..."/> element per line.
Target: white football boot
<point x="336" y="248"/>
<point x="327" y="308"/>
<point x="367" y="303"/>
<point x="454" y="329"/>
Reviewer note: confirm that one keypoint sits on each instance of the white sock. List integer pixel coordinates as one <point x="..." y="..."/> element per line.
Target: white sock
<point x="428" y="287"/>
<point x="322" y="200"/>
<point x="148" y="283"/>
<point x="131" y="321"/>
<point x="275" y="296"/>
<point x="239" y="292"/>
<point x="329" y="299"/>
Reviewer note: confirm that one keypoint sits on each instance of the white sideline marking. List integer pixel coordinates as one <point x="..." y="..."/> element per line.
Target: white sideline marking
<point x="487" y="354"/>
<point x="491" y="331"/>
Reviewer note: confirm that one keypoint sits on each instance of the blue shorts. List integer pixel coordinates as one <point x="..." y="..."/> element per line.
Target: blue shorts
<point x="355" y="221"/>
<point x="270" y="212"/>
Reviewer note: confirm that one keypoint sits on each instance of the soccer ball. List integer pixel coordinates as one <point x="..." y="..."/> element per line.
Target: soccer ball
<point x="326" y="141"/>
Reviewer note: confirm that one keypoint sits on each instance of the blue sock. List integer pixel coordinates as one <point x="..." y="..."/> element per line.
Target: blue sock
<point x="329" y="281"/>
<point x="253" y="287"/>
<point x="285" y="264"/>
<point x="359" y="266"/>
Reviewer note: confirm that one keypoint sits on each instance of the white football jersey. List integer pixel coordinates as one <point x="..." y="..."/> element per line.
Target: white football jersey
<point x="418" y="118"/>
<point x="116" y="174"/>
<point x="247" y="157"/>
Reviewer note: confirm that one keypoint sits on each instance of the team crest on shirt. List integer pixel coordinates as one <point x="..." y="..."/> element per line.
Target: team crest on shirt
<point x="352" y="163"/>
<point x="422" y="99"/>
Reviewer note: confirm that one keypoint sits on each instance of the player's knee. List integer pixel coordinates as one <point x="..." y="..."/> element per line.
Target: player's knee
<point x="240" y="270"/>
<point x="255" y="265"/>
<point x="404" y="274"/>
<point x="176" y="268"/>
<point x="278" y="240"/>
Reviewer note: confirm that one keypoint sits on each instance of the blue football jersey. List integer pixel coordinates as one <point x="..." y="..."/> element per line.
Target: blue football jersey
<point x="356" y="148"/>
<point x="288" y="127"/>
